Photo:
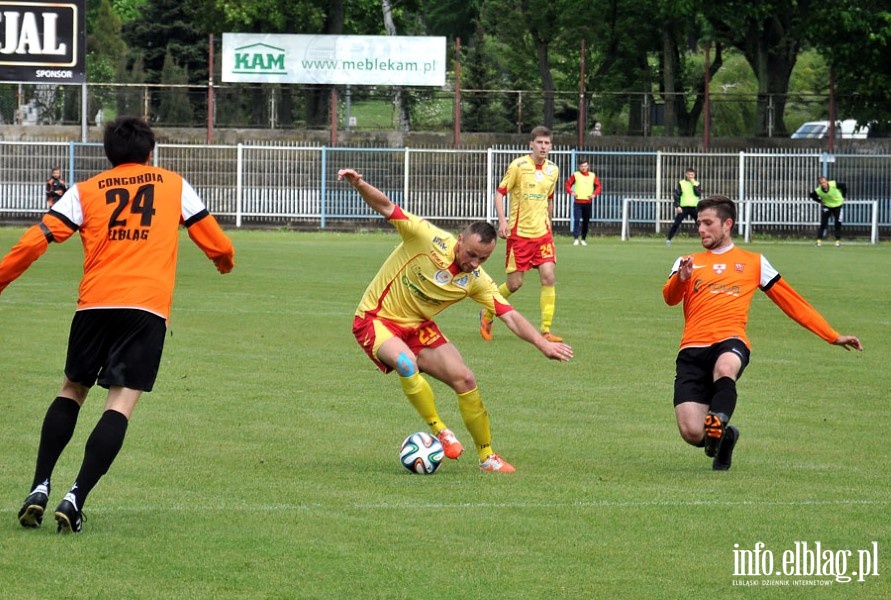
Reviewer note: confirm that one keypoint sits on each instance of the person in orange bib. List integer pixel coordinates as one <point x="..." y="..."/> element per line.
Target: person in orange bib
<point x="128" y="218"/>
<point x="716" y="288"/>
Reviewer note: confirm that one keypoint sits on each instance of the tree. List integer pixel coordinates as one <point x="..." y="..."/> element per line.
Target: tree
<point x="525" y="31"/>
<point x="174" y="27"/>
<point x="480" y="110"/>
<point x="106" y="53"/>
<point x="770" y="35"/>
<point x="855" y="38"/>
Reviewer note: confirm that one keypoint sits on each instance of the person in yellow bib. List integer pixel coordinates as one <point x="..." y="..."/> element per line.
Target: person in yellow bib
<point x="528" y="186"/>
<point x="686" y="196"/>
<point x="831" y="196"/>
<point x="583" y="186"/>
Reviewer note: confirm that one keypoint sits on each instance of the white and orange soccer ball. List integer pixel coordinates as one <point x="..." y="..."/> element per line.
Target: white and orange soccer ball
<point x="421" y="453"/>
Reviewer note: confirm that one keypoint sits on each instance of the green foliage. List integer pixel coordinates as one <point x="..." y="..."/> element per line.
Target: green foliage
<point x="104" y="42"/>
<point x="855" y="36"/>
<point x="174" y="107"/>
<point x="264" y="464"/>
<point x="808" y="89"/>
<point x="169" y="26"/>
<point x="131" y="100"/>
<point x="632" y="48"/>
<point x="271" y="16"/>
<point x="481" y="111"/>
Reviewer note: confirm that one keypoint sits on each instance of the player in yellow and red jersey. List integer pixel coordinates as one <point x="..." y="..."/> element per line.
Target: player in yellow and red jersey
<point x="128" y="218"/>
<point x="529" y="184"/>
<point x="717" y="287"/>
<point x="428" y="272"/>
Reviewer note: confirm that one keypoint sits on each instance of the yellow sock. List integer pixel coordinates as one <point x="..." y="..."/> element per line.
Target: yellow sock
<point x="505" y="293"/>
<point x="420" y="394"/>
<point x="476" y="419"/>
<point x="547" y="300"/>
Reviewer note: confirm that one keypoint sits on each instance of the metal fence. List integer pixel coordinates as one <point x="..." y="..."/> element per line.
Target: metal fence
<point x="296" y="186"/>
<point x="733" y="112"/>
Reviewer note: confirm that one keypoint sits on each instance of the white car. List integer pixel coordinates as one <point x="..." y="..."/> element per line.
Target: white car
<point x="845" y="130"/>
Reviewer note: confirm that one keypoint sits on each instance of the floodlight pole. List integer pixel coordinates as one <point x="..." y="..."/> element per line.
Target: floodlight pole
<point x="832" y="114"/>
<point x="210" y="99"/>
<point x="706" y="128"/>
<point x="583" y="119"/>
<point x="456" y="126"/>
<point x="333" y="111"/>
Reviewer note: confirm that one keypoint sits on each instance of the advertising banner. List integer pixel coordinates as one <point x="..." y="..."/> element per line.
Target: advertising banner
<point x="43" y="42"/>
<point x="334" y="59"/>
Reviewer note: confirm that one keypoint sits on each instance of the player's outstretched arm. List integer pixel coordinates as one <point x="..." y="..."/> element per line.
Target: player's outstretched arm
<point x="848" y="342"/>
<point x="372" y="196"/>
<point x="523" y="329"/>
<point x="29" y="248"/>
<point x="207" y="234"/>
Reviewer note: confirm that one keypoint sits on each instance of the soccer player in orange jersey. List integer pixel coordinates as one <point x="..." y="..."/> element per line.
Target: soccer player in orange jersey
<point x="529" y="183"/>
<point x="128" y="218"/>
<point x="428" y="272"/>
<point x="717" y="287"/>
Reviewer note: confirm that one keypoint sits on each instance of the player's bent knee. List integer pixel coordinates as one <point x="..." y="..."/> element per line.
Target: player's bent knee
<point x="405" y="365"/>
<point x="692" y="433"/>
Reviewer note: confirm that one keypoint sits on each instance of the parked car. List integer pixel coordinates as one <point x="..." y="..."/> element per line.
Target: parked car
<point x="845" y="130"/>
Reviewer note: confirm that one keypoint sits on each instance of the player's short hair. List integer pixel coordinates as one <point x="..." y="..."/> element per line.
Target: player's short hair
<point x="128" y="140"/>
<point x="723" y="206"/>
<point x="483" y="229"/>
<point x="690" y="170"/>
<point x="540" y="131"/>
<point x="582" y="160"/>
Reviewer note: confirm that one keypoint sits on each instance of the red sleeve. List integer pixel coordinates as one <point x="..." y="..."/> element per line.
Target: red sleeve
<point x="207" y="235"/>
<point x="569" y="183"/>
<point x="397" y="214"/>
<point x="596" y="187"/>
<point x="798" y="309"/>
<point x="501" y="309"/>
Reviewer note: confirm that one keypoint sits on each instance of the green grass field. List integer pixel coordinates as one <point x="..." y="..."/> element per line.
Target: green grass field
<point x="265" y="463"/>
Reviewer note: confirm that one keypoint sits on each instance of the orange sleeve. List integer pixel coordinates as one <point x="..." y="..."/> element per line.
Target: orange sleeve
<point x="31" y="246"/>
<point x="216" y="245"/>
<point x="798" y="309"/>
<point x="673" y="290"/>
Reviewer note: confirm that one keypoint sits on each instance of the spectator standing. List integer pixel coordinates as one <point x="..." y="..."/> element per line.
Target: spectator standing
<point x="55" y="187"/>
<point x="830" y="194"/>
<point x="686" y="196"/>
<point x="583" y="186"/>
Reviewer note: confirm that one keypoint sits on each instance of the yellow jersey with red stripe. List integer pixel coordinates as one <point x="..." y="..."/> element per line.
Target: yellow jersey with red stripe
<point x="420" y="278"/>
<point x="718" y="295"/>
<point x="529" y="188"/>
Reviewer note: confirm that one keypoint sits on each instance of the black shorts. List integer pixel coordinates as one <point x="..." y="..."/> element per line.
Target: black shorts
<point x="694" y="377"/>
<point x="115" y="347"/>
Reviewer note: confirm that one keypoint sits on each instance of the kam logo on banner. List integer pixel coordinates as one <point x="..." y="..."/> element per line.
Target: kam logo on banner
<point x="334" y="59"/>
<point x="43" y="41"/>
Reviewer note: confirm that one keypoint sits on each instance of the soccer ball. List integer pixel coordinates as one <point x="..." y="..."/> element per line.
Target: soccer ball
<point x="421" y="453"/>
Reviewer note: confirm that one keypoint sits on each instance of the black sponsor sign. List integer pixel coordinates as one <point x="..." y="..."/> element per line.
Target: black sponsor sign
<point x="43" y="42"/>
